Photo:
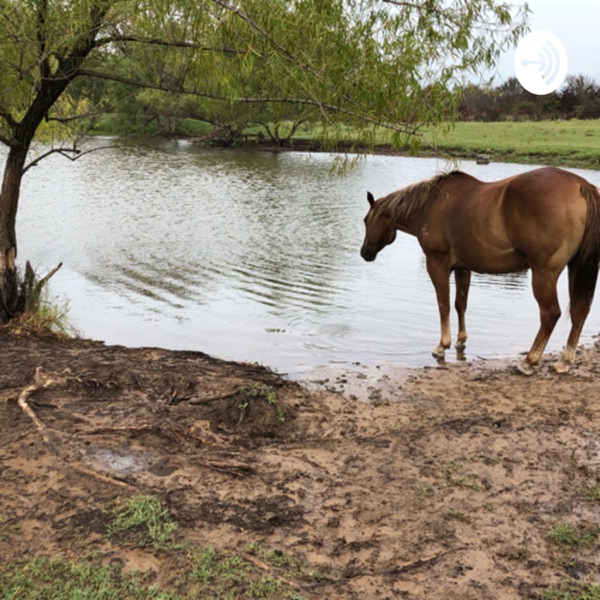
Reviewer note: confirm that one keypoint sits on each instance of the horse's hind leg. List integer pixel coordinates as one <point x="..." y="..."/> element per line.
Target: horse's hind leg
<point x="544" y="290"/>
<point x="580" y="309"/>
<point x="463" y="280"/>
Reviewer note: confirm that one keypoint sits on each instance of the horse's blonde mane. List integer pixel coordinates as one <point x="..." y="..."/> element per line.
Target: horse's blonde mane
<point x="402" y="203"/>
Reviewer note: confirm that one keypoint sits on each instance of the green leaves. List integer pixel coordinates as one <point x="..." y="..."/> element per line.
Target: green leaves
<point x="358" y="62"/>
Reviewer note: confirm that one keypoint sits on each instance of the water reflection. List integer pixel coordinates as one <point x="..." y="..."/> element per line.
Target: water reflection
<point x="252" y="256"/>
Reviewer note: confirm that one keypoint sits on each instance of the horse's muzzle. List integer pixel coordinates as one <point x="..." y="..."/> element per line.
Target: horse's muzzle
<point x="368" y="254"/>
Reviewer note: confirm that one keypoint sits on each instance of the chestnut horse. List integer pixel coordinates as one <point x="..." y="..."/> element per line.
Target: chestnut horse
<point x="543" y="220"/>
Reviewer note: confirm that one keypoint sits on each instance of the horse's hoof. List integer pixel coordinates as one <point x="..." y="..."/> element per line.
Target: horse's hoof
<point x="460" y="346"/>
<point x="439" y="354"/>
<point x="561" y="367"/>
<point x="525" y="368"/>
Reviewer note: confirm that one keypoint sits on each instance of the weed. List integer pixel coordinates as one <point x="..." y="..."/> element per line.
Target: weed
<point x="146" y="518"/>
<point x="38" y="314"/>
<point x="281" y="562"/>
<point x="566" y="536"/>
<point x="220" y="576"/>
<point x="425" y="490"/>
<point x="260" y="391"/>
<point x="593" y="493"/>
<point x="465" y="483"/>
<point x="457" y="515"/>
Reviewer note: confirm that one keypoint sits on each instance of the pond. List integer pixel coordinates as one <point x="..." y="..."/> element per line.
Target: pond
<point x="254" y="256"/>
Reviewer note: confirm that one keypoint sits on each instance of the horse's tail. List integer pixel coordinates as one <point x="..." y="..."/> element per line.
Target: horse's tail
<point x="584" y="265"/>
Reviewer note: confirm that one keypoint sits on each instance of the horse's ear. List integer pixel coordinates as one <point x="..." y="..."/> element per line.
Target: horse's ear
<point x="370" y="198"/>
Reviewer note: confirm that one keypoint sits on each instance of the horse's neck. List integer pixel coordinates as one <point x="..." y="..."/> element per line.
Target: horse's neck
<point x="409" y="223"/>
<point x="412" y="208"/>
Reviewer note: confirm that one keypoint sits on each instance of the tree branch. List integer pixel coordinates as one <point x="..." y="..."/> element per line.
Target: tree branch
<point x="44" y="63"/>
<point x="67" y="152"/>
<point x="254" y="25"/>
<point x="322" y="106"/>
<point x="160" y="42"/>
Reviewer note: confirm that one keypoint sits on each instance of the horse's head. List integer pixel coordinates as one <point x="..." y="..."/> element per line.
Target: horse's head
<point x="380" y="230"/>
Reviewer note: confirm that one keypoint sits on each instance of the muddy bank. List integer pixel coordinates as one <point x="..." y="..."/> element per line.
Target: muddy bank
<point x="426" y="483"/>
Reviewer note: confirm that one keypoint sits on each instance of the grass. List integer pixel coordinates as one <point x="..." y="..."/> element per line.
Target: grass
<point x="222" y="576"/>
<point x="566" y="537"/>
<point x="264" y="392"/>
<point x="49" y="316"/>
<point x="566" y="143"/>
<point x="573" y="592"/>
<point x="146" y="521"/>
<point x="39" y="314"/>
<point x="574" y="142"/>
<point x="593" y="493"/>
<point x="60" y="579"/>
<point x="193" y="572"/>
<point x="209" y="574"/>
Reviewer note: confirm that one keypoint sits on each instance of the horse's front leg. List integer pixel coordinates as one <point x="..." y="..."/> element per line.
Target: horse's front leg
<point x="440" y="277"/>
<point x="463" y="281"/>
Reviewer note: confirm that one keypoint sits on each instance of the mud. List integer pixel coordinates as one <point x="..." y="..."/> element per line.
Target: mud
<point x="440" y="482"/>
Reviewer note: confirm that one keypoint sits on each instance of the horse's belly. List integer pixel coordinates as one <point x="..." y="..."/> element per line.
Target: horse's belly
<point x="493" y="262"/>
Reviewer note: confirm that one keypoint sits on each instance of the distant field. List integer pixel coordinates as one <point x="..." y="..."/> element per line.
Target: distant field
<point x="567" y="143"/>
<point x="574" y="143"/>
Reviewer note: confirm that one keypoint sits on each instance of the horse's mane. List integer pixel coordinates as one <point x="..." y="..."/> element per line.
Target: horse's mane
<point x="402" y="203"/>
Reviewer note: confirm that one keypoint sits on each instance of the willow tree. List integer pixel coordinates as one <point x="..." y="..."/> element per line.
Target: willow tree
<point x="358" y="62"/>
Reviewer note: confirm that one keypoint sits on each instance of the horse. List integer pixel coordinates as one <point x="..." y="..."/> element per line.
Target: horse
<point x="544" y="220"/>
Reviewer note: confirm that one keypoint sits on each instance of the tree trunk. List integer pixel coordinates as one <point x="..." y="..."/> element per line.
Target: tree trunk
<point x="10" y="297"/>
<point x="51" y="85"/>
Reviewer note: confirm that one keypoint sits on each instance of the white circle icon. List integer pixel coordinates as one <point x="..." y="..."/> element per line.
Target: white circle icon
<point x="540" y="62"/>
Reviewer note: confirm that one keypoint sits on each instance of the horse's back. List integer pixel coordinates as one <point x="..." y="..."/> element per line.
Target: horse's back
<point x="510" y="224"/>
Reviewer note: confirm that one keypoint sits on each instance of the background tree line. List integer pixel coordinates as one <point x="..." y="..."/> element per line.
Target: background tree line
<point x="577" y="98"/>
<point x="123" y="110"/>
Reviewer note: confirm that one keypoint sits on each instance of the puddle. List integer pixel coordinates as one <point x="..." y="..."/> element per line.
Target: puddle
<point x="118" y="460"/>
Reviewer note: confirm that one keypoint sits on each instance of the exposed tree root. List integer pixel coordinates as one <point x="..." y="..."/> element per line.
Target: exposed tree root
<point x="408" y="566"/>
<point x="43" y="380"/>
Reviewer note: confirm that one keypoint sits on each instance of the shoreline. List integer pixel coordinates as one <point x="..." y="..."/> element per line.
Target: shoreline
<point x="453" y="153"/>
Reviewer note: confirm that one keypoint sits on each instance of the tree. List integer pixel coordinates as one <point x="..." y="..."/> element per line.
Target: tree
<point x="357" y="62"/>
<point x="580" y="97"/>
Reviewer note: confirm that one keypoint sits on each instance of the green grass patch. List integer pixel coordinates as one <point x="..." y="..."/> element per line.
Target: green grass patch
<point x="567" y="537"/>
<point x="593" y="493"/>
<point x="573" y="592"/>
<point x="144" y="521"/>
<point x="221" y="576"/>
<point x="571" y="142"/>
<point x="560" y="142"/>
<point x="62" y="579"/>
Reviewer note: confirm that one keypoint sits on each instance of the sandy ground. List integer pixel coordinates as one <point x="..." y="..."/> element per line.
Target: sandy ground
<point x="439" y="482"/>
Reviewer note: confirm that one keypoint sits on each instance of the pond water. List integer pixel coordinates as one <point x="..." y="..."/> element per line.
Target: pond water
<point x="255" y="256"/>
